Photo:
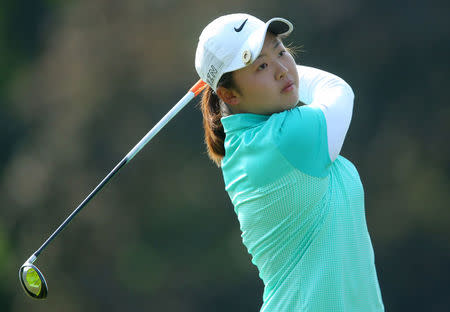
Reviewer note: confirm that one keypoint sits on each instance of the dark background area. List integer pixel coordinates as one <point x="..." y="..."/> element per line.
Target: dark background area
<point x="82" y="81"/>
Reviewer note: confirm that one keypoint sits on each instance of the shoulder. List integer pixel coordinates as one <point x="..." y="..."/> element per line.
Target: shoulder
<point x="300" y="134"/>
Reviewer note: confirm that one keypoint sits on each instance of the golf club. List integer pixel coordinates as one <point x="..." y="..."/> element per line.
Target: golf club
<point x="31" y="278"/>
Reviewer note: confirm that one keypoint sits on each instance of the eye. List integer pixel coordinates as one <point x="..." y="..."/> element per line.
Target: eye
<point x="262" y="66"/>
<point x="282" y="52"/>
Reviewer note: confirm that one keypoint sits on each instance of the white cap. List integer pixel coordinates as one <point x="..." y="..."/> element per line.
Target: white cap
<point x="231" y="42"/>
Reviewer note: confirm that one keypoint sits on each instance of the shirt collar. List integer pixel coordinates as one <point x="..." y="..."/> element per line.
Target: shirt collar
<point x="242" y="121"/>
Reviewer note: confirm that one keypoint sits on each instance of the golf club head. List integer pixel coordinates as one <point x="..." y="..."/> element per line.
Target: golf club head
<point x="33" y="282"/>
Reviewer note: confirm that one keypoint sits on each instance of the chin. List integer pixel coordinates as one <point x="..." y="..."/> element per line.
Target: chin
<point x="282" y="109"/>
<point x="293" y="104"/>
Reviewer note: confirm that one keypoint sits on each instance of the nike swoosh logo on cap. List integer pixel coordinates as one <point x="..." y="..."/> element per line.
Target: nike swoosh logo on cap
<point x="240" y="27"/>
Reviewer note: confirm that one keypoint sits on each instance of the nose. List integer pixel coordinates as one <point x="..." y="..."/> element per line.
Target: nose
<point x="281" y="71"/>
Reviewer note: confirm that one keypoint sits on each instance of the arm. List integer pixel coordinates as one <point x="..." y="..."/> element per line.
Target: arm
<point x="334" y="97"/>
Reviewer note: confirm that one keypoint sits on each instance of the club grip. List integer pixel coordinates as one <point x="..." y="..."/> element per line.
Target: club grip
<point x="198" y="87"/>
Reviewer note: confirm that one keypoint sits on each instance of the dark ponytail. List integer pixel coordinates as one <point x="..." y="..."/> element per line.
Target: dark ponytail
<point x="213" y="108"/>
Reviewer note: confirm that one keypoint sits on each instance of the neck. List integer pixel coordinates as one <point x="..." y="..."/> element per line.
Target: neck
<point x="225" y="109"/>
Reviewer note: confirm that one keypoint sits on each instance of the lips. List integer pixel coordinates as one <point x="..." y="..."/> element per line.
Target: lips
<point x="289" y="86"/>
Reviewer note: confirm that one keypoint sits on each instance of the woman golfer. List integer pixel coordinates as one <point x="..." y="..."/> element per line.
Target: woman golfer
<point x="300" y="205"/>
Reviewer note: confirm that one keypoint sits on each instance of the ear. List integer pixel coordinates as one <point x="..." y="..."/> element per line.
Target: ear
<point x="229" y="96"/>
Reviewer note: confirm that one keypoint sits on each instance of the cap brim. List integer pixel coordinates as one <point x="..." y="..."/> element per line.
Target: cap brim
<point x="277" y="25"/>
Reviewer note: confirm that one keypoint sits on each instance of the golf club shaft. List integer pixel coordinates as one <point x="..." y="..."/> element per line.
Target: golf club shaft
<point x="193" y="92"/>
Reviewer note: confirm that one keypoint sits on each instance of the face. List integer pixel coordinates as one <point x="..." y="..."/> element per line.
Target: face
<point x="269" y="85"/>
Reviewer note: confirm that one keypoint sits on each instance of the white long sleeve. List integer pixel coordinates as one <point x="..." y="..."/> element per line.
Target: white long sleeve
<point x="334" y="97"/>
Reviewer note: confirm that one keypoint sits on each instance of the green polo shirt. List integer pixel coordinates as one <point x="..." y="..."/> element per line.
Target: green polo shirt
<point x="301" y="215"/>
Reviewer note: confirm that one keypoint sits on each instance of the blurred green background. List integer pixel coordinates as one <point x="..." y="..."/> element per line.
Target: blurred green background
<point x="82" y="81"/>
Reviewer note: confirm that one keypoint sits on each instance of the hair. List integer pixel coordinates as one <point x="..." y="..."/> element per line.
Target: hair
<point x="213" y="108"/>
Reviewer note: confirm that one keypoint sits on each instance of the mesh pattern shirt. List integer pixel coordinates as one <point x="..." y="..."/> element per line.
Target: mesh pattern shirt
<point x="301" y="211"/>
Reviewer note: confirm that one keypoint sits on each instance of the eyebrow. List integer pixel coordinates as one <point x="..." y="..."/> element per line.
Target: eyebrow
<point x="277" y="43"/>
